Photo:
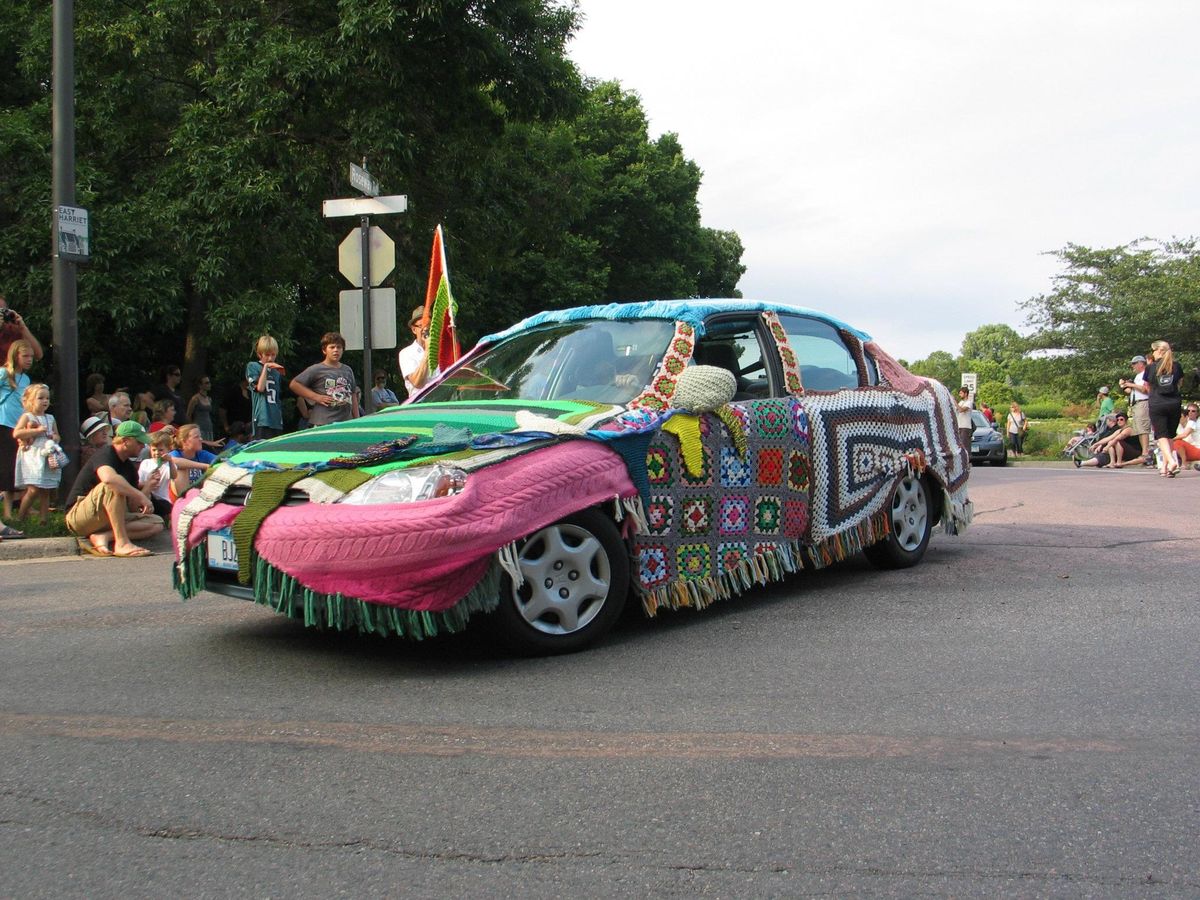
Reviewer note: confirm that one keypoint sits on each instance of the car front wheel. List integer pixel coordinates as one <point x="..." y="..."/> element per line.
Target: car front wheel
<point x="911" y="524"/>
<point x="576" y="577"/>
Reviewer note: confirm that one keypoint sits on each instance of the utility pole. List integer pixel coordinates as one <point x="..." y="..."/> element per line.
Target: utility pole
<point x="65" y="312"/>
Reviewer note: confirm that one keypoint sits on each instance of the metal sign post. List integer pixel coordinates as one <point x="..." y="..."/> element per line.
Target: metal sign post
<point x="364" y="208"/>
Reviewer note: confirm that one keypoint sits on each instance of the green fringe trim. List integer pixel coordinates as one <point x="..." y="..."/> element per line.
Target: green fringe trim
<point x="763" y="568"/>
<point x="284" y="594"/>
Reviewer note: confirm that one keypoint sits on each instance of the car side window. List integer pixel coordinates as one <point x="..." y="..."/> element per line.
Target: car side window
<point x="735" y="344"/>
<point x="826" y="363"/>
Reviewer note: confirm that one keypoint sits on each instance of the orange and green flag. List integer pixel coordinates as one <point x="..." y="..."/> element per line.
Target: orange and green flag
<point x="439" y="309"/>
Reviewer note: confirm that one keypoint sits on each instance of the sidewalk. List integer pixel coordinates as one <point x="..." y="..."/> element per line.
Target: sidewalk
<point x="49" y="548"/>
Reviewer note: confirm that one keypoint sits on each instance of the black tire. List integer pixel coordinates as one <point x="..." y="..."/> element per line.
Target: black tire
<point x="1003" y="460"/>
<point x="912" y="523"/>
<point x="576" y="581"/>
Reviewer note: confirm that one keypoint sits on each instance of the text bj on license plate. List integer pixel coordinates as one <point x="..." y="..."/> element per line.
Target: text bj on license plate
<point x="222" y="551"/>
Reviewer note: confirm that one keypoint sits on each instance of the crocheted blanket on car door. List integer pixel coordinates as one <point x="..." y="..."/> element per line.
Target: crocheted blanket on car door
<point x="727" y="511"/>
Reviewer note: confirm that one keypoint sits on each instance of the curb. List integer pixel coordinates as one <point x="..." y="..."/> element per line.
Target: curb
<point x="37" y="548"/>
<point x="31" y="549"/>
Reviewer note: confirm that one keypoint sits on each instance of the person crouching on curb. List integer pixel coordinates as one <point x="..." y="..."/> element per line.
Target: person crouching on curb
<point x="105" y="510"/>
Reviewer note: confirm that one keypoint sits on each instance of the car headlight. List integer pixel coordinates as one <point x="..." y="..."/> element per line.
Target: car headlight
<point x="407" y="485"/>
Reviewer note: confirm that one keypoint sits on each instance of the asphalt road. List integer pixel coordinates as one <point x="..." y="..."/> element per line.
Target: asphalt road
<point x="1020" y="715"/>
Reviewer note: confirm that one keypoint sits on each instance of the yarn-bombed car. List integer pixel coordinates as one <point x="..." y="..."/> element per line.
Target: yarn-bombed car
<point x="681" y="451"/>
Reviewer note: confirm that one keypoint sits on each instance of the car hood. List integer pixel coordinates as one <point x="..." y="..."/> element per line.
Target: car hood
<point x="432" y="430"/>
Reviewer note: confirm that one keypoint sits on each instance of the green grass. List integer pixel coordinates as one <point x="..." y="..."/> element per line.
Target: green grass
<point x="55" y="526"/>
<point x="1047" y="437"/>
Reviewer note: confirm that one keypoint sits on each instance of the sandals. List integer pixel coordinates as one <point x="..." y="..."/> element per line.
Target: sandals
<point x="8" y="533"/>
<point x="87" y="548"/>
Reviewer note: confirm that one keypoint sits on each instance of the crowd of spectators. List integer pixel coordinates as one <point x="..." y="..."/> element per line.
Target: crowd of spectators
<point x="1156" y="428"/>
<point x="141" y="448"/>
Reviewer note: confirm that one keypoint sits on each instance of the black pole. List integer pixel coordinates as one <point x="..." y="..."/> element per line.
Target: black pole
<point x="65" y="313"/>
<point x="368" y="380"/>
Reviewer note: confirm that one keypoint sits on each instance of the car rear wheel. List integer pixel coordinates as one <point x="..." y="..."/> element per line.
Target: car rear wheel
<point x="912" y="518"/>
<point x="576" y="577"/>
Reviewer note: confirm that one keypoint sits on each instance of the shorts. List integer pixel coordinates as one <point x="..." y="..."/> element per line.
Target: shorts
<point x="89" y="514"/>
<point x="1165" y="419"/>
<point x="1139" y="417"/>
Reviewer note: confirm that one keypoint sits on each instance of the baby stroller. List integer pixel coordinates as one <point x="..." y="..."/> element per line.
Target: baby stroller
<point x="1080" y="445"/>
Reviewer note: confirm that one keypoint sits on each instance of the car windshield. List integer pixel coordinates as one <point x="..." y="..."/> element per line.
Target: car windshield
<point x="601" y="360"/>
<point x="979" y="420"/>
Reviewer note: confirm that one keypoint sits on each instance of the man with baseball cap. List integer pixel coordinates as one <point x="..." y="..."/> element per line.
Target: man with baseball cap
<point x="1139" y="409"/>
<point x="1106" y="404"/>
<point x="105" y="510"/>
<point x="414" y="359"/>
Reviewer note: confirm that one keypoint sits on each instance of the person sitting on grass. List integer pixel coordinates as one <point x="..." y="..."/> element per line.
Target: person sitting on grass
<point x="105" y="510"/>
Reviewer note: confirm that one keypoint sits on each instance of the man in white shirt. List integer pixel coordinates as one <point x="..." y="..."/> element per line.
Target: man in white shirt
<point x="1139" y="410"/>
<point x="414" y="359"/>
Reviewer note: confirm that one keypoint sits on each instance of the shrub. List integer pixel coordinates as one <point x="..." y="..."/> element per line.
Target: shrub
<point x="1044" y="409"/>
<point x="1084" y="411"/>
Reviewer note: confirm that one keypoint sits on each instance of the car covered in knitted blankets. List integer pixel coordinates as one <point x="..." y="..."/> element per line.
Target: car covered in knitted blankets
<point x="677" y="452"/>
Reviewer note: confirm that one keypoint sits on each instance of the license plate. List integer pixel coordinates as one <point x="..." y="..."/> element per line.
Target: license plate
<point x="222" y="551"/>
<point x="974" y="448"/>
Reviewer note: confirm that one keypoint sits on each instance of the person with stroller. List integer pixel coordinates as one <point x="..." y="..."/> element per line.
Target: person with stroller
<point x="1117" y="447"/>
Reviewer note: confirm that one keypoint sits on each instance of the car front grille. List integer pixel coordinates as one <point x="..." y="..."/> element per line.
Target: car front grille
<point x="236" y="496"/>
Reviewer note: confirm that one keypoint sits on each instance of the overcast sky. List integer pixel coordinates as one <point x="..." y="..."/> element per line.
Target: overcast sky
<point x="906" y="166"/>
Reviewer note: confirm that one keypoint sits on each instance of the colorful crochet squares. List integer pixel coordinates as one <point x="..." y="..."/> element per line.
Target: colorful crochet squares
<point x="696" y="515"/>
<point x="768" y="515"/>
<point x="658" y="465"/>
<point x="798" y="469"/>
<point x="795" y="519"/>
<point x="660" y="512"/>
<point x="770" y="466"/>
<point x="652" y="566"/>
<point x="730" y="557"/>
<point x="735" y="515"/>
<point x="772" y="419"/>
<point x="694" y="561"/>
<point x="735" y="471"/>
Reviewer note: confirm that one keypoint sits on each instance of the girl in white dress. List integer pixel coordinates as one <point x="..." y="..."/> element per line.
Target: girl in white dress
<point x="38" y="458"/>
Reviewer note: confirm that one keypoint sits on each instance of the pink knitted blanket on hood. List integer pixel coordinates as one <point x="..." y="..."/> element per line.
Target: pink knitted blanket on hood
<point x="428" y="555"/>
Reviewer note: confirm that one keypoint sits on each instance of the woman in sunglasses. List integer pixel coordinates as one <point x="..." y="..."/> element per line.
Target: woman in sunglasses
<point x="1118" y="448"/>
<point x="1187" y="438"/>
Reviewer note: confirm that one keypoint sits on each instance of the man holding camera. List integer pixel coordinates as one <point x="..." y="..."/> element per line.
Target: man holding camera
<point x="13" y="328"/>
<point x="1139" y="409"/>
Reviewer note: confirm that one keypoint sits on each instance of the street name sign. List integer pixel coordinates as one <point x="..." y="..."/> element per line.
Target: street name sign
<point x="73" y="238"/>
<point x="364" y="206"/>
<point x="362" y="180"/>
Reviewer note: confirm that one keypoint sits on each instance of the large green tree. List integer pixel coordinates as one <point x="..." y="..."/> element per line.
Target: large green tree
<point x="210" y="132"/>
<point x="1109" y="304"/>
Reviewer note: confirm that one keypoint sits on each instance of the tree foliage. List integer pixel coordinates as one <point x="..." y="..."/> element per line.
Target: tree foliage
<point x="208" y="133"/>
<point x="1110" y="304"/>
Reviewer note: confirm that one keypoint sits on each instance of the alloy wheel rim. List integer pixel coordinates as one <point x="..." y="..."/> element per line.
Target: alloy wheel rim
<point x="910" y="512"/>
<point x="567" y="576"/>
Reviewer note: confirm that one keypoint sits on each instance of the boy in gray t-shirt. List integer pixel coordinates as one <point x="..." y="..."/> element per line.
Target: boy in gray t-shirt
<point x="328" y="386"/>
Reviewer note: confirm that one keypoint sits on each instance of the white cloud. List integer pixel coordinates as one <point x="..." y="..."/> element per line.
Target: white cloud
<point x="907" y="165"/>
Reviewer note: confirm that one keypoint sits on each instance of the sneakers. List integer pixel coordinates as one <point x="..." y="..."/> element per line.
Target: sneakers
<point x="1148" y="459"/>
<point x="1196" y="466"/>
<point x="1077" y="462"/>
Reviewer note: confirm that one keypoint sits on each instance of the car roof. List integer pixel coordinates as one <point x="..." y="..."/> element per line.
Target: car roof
<point x="694" y="312"/>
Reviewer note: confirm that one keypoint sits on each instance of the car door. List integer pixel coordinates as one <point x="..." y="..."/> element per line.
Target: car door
<point x="728" y="491"/>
